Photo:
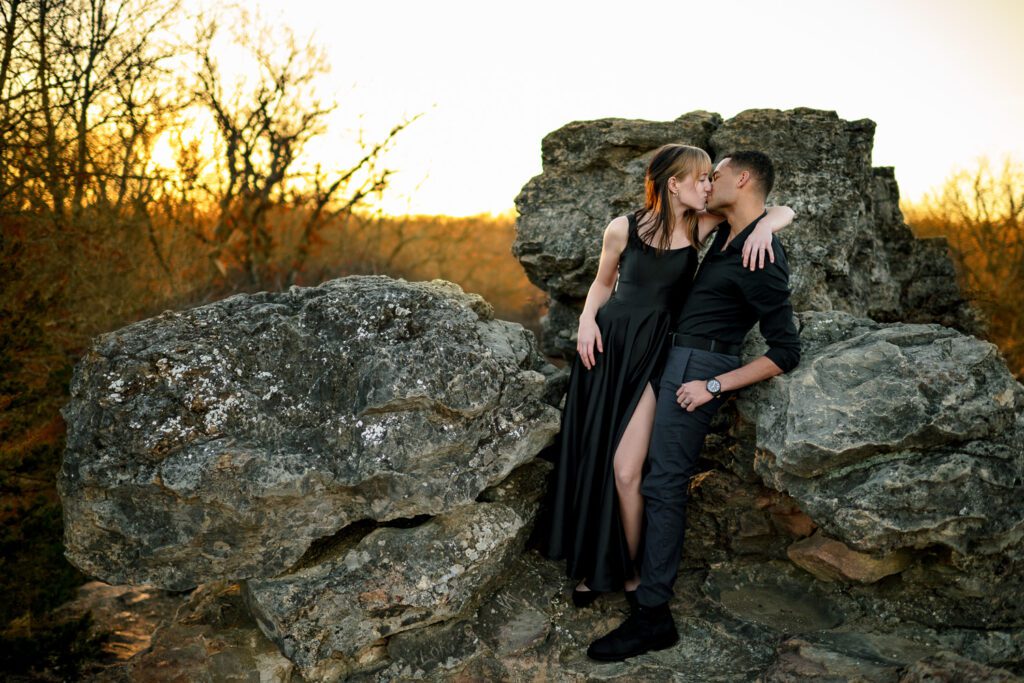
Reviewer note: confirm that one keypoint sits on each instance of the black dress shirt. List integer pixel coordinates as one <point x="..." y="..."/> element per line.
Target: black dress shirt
<point x="727" y="299"/>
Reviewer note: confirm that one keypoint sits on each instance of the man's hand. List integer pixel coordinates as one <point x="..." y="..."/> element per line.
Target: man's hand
<point x="693" y="395"/>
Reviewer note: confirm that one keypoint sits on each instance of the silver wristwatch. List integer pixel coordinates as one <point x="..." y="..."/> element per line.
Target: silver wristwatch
<point x="714" y="387"/>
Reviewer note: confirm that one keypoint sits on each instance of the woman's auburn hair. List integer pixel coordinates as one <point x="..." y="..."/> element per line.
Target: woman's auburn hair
<point x="669" y="161"/>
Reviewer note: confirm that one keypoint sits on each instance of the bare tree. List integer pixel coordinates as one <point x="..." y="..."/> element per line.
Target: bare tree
<point x="79" y="81"/>
<point x="265" y="124"/>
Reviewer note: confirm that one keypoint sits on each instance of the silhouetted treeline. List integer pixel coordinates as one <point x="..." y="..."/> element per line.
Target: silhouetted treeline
<point x="981" y="212"/>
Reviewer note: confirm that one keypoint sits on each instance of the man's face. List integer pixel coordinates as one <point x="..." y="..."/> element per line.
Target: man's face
<point x="723" y="186"/>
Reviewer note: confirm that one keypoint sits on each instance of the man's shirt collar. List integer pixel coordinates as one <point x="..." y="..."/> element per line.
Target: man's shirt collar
<point x="737" y="242"/>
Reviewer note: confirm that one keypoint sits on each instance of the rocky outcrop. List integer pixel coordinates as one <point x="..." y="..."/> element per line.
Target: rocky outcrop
<point x="222" y="441"/>
<point x="896" y="436"/>
<point x="775" y="586"/>
<point x="849" y="248"/>
<point x="888" y="464"/>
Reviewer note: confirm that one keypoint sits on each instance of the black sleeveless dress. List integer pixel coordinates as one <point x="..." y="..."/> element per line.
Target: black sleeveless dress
<point x="635" y="322"/>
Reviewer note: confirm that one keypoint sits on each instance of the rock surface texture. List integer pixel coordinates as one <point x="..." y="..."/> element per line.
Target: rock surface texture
<point x="896" y="436"/>
<point x="222" y="441"/>
<point x="349" y="473"/>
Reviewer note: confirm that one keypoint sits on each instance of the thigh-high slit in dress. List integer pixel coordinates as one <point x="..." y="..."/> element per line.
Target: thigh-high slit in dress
<point x="585" y="526"/>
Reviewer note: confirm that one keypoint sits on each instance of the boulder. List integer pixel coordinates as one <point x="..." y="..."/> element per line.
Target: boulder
<point x="219" y="443"/>
<point x="849" y="248"/>
<point x="329" y="617"/>
<point x="896" y="436"/>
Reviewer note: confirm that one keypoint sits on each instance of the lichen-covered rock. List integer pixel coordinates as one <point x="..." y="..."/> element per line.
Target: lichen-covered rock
<point x="849" y="248"/>
<point x="893" y="436"/>
<point x="327" y="617"/>
<point x="886" y="390"/>
<point x="220" y="442"/>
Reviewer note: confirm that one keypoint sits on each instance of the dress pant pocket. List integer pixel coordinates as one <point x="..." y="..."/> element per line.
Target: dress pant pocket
<point x="705" y="365"/>
<point x="675" y="367"/>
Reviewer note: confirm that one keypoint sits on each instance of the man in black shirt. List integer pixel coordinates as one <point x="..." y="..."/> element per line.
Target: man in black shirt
<point x="702" y="367"/>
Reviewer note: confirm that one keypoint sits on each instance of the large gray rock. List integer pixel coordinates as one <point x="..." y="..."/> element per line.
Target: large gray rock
<point x="221" y="442"/>
<point x="326" y="618"/>
<point x="893" y="436"/>
<point x="849" y="248"/>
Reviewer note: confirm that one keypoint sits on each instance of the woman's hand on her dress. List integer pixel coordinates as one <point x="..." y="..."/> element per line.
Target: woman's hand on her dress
<point x="758" y="243"/>
<point x="587" y="337"/>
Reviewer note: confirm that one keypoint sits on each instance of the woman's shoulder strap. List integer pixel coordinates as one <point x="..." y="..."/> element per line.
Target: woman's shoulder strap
<point x="634" y="228"/>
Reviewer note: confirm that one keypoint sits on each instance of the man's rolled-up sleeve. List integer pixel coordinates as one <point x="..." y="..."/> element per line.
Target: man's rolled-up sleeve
<point x="767" y="290"/>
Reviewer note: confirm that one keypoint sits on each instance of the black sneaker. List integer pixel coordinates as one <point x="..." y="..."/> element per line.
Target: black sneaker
<point x="646" y="629"/>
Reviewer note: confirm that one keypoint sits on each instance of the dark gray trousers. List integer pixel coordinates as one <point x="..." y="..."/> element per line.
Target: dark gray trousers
<point x="676" y="442"/>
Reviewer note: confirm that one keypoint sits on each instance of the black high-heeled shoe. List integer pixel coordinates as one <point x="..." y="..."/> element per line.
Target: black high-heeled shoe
<point x="584" y="598"/>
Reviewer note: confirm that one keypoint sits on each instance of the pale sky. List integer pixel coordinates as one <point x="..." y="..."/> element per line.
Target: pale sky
<point x="942" y="79"/>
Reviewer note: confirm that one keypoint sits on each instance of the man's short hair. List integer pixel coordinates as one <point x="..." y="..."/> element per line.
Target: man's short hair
<point x="757" y="164"/>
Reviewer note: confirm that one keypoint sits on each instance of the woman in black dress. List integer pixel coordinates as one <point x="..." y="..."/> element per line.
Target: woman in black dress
<point x="596" y="506"/>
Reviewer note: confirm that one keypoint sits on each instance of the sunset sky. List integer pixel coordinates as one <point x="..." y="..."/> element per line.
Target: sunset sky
<point x="941" y="78"/>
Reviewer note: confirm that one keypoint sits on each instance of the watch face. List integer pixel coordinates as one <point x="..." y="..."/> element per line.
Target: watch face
<point x="714" y="386"/>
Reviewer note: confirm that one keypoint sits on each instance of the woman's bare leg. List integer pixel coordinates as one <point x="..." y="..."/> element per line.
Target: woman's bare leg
<point x="628" y="464"/>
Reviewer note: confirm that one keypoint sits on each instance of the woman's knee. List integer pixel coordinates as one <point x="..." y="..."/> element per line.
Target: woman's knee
<point x="627" y="476"/>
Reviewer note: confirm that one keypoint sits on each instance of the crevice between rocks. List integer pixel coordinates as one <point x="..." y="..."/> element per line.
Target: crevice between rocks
<point x="327" y="548"/>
